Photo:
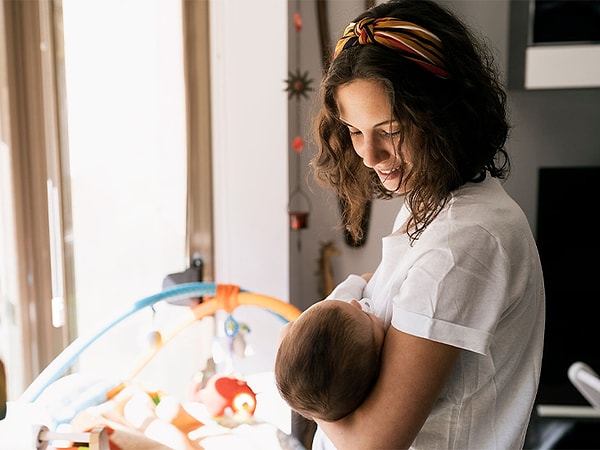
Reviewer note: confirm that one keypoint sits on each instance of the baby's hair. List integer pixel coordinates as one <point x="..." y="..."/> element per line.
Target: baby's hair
<point x="326" y="365"/>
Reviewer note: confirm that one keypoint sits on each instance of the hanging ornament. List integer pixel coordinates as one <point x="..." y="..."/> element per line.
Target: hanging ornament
<point x="298" y="210"/>
<point x="297" y="21"/>
<point x="298" y="86"/>
<point x="298" y="144"/>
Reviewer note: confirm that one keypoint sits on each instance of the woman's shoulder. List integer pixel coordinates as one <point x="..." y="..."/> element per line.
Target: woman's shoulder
<point x="488" y="191"/>
<point x="484" y="202"/>
<point x="482" y="211"/>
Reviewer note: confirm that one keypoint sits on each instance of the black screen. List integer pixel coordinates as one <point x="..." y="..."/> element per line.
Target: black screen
<point x="566" y="21"/>
<point x="568" y="239"/>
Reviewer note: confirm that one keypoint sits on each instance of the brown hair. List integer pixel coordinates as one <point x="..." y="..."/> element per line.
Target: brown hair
<point x="326" y="365"/>
<point x="457" y="127"/>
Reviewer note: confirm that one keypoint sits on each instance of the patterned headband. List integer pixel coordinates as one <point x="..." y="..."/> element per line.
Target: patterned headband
<point x="412" y="41"/>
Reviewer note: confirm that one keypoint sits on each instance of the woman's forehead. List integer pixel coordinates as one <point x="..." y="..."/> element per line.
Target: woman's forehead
<point x="364" y="102"/>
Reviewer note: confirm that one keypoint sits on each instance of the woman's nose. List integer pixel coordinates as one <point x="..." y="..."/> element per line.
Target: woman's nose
<point x="372" y="153"/>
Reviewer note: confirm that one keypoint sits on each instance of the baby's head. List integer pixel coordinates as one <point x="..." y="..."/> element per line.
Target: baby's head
<point x="328" y="359"/>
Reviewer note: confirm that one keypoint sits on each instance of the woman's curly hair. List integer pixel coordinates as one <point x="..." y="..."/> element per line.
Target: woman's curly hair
<point x="456" y="127"/>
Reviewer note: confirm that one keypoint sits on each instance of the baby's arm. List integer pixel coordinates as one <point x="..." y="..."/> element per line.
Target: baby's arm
<point x="351" y="288"/>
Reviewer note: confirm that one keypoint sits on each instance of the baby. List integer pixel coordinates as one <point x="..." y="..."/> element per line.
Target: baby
<point x="328" y="358"/>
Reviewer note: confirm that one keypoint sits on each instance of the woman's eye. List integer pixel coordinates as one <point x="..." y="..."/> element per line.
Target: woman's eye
<point x="354" y="133"/>
<point x="392" y="133"/>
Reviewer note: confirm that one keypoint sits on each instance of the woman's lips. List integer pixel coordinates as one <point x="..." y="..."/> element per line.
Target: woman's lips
<point x="386" y="174"/>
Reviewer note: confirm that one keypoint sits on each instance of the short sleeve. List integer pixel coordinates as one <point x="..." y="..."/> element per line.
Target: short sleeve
<point x="456" y="290"/>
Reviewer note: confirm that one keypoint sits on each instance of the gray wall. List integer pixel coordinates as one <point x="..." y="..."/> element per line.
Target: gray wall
<point x="551" y="128"/>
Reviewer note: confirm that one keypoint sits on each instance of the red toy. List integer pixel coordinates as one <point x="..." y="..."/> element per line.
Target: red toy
<point x="223" y="392"/>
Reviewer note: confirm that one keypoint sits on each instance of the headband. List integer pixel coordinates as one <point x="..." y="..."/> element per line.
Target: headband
<point x="412" y="41"/>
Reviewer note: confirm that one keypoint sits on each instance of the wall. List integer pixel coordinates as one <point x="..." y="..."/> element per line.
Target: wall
<point x="248" y="66"/>
<point x="551" y="128"/>
<point x="324" y="217"/>
<point x="250" y="174"/>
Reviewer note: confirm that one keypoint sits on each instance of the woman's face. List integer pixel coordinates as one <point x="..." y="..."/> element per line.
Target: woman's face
<point x="366" y="110"/>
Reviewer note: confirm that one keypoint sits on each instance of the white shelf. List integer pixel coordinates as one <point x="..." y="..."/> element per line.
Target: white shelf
<point x="562" y="66"/>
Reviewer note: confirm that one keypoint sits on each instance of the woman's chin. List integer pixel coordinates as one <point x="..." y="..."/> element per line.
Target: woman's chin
<point x="392" y="185"/>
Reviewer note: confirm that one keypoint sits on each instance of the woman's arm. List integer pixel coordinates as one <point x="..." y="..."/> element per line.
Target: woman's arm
<point x="413" y="373"/>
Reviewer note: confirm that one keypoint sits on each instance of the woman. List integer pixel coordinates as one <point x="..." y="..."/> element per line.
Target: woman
<point x="412" y="107"/>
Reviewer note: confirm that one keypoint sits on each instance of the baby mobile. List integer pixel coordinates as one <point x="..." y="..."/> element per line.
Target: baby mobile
<point x="298" y="84"/>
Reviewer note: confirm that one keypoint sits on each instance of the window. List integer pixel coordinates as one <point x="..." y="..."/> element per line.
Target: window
<point x="127" y="153"/>
<point x="95" y="165"/>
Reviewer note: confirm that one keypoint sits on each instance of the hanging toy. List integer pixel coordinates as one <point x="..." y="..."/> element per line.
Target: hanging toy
<point x="154" y="338"/>
<point x="231" y="326"/>
<point x="236" y="337"/>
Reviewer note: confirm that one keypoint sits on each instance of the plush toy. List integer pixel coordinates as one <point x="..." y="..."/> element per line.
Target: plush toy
<point x="224" y="393"/>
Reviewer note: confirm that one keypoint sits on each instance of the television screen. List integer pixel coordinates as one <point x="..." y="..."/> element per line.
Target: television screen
<point x="566" y="21"/>
<point x="569" y="245"/>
